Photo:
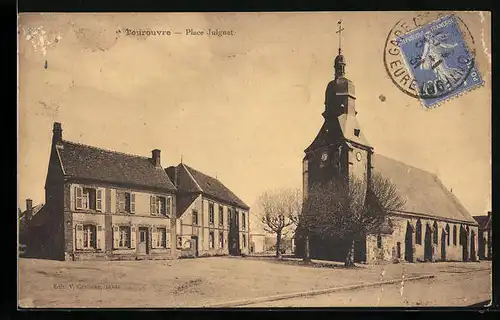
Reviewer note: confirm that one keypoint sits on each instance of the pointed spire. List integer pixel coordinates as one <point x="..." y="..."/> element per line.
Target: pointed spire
<point x="339" y="60"/>
<point x="181" y="158"/>
<point x="339" y="31"/>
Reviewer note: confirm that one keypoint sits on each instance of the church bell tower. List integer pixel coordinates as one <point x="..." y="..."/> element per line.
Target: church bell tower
<point x="340" y="148"/>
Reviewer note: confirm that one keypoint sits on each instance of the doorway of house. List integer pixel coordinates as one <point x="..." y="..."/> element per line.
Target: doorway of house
<point x="409" y="243"/>
<point x="443" y="245"/>
<point x="194" y="245"/>
<point x="428" y="243"/>
<point x="143" y="243"/>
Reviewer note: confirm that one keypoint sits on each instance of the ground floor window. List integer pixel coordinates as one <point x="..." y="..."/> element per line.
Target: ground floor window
<point x="124" y="237"/>
<point x="89" y="236"/>
<point x="161" y="238"/>
<point x="221" y="240"/>
<point x="211" y="240"/>
<point x="179" y="242"/>
<point x="244" y="240"/>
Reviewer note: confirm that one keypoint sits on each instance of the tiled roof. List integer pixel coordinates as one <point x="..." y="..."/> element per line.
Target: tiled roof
<point x="184" y="201"/>
<point x="483" y="221"/>
<point x="423" y="191"/>
<point x="343" y="126"/>
<point x="213" y="187"/>
<point x="348" y="123"/>
<point x="88" y="162"/>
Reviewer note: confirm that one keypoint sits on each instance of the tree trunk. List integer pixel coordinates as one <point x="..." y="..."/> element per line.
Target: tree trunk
<point x="307" y="254"/>
<point x="278" y="245"/>
<point x="349" y="259"/>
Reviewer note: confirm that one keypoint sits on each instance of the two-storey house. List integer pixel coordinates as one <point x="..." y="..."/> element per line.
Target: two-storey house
<point x="211" y="219"/>
<point x="106" y="204"/>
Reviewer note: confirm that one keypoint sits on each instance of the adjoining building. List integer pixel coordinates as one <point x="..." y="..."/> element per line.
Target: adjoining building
<point x="103" y="204"/>
<point x="485" y="233"/>
<point x="432" y="226"/>
<point x="211" y="219"/>
<point x="257" y="241"/>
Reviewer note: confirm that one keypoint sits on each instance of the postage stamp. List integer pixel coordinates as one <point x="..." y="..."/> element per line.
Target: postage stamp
<point x="439" y="60"/>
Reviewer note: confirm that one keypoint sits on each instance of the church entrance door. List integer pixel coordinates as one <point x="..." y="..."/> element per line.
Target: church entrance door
<point x="428" y="243"/>
<point x="409" y="243"/>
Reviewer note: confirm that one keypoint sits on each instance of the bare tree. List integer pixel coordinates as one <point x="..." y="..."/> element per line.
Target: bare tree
<point x="279" y="210"/>
<point x="350" y="209"/>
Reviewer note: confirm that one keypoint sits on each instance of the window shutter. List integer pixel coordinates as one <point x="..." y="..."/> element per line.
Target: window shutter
<point x="79" y="236"/>
<point x="116" y="237"/>
<point x="169" y="206"/>
<point x="132" y="202"/>
<point x="118" y="205"/>
<point x="98" y="200"/>
<point x="100" y="238"/>
<point x="152" y="204"/>
<point x="133" y="235"/>
<point x="78" y="197"/>
<point x="155" y="238"/>
<point x="168" y="238"/>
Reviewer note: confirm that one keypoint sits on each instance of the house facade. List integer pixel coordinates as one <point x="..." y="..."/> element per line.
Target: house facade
<point x="211" y="219"/>
<point x="103" y="204"/>
<point x="485" y="236"/>
<point x="432" y="226"/>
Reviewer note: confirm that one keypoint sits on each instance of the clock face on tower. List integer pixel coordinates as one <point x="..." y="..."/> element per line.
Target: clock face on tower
<point x="358" y="156"/>
<point x="324" y="156"/>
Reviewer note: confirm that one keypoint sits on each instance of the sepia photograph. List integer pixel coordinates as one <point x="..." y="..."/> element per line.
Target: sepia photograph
<point x="254" y="159"/>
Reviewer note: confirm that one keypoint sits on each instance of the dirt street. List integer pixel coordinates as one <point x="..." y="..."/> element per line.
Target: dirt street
<point x="206" y="281"/>
<point x="447" y="289"/>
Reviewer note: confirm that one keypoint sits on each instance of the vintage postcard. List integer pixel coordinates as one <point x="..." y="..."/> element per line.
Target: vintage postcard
<point x="265" y="159"/>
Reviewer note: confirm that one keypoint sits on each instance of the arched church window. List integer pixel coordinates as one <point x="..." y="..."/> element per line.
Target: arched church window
<point x="435" y="233"/>
<point x="418" y="232"/>
<point x="447" y="234"/>
<point x="454" y="235"/>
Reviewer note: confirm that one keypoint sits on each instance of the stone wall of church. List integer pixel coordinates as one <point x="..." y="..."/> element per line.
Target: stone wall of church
<point x="403" y="244"/>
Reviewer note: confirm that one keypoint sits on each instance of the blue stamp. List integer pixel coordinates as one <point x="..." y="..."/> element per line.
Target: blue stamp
<point x="440" y="61"/>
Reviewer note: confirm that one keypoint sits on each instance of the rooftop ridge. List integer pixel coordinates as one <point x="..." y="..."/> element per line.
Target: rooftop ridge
<point x="106" y="150"/>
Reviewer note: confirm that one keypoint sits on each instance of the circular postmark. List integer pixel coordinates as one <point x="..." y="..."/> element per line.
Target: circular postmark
<point x="430" y="56"/>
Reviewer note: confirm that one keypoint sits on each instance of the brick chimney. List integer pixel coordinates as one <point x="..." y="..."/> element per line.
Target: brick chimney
<point x="156" y="158"/>
<point x="57" y="133"/>
<point x="29" y="209"/>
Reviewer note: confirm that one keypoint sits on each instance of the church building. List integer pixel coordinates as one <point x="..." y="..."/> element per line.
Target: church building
<point x="432" y="226"/>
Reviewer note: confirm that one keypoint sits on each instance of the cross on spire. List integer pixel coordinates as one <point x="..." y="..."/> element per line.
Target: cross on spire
<point x="340" y="34"/>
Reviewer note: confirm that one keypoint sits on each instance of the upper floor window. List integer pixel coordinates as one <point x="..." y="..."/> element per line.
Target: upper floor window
<point x="88" y="198"/>
<point x="221" y="215"/>
<point x="195" y="217"/>
<point x="243" y="220"/>
<point x="161" y="205"/>
<point x="126" y="202"/>
<point x="211" y="212"/>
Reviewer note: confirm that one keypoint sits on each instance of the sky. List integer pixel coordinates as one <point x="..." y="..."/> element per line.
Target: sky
<point x="242" y="107"/>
